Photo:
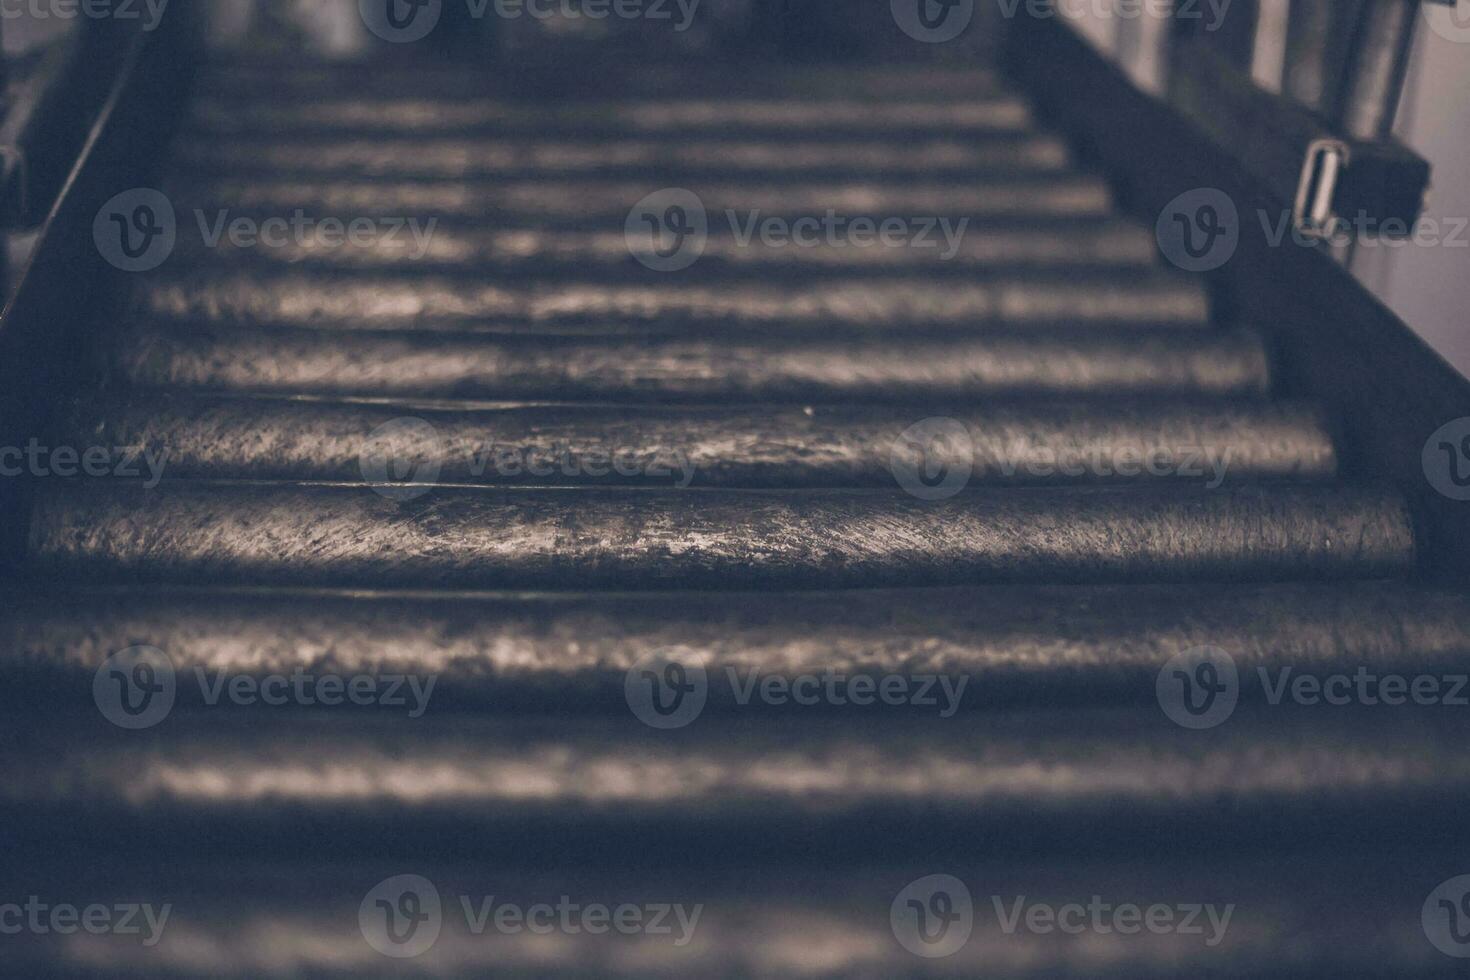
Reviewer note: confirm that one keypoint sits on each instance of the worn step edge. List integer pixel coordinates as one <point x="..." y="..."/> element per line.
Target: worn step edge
<point x="1000" y="647"/>
<point x="472" y="537"/>
<point x="659" y="362"/>
<point x="353" y="300"/>
<point x="1206" y="444"/>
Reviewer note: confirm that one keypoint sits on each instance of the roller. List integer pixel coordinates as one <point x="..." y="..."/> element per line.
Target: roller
<point x="833" y="446"/>
<point x="969" y="250"/>
<point x="679" y="157"/>
<point x="767" y="920"/>
<point x="610" y="538"/>
<point x="246" y="80"/>
<point x="558" y="792"/>
<point x="425" y="117"/>
<point x="1126" y="362"/>
<point x="607" y="203"/>
<point x="1051" y="647"/>
<point x="378" y="302"/>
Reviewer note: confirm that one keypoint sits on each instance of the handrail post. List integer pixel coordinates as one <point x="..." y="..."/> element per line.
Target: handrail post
<point x="1378" y="62"/>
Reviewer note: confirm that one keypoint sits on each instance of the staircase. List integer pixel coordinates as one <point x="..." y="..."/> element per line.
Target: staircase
<point x="1033" y="531"/>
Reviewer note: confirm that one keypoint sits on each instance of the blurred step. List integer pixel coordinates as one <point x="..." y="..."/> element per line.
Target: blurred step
<point x="400" y="535"/>
<point x="605" y="204"/>
<point x="1000" y="647"/>
<point x="563" y="792"/>
<point x="937" y="247"/>
<point x="424" y="117"/>
<point x="689" y="307"/>
<point x="1202" y="444"/>
<point x="1034" y="362"/>
<point x="246" y="80"/>
<point x="678" y="157"/>
<point x="263" y="917"/>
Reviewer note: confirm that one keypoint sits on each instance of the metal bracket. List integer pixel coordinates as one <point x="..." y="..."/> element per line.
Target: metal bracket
<point x="1325" y="161"/>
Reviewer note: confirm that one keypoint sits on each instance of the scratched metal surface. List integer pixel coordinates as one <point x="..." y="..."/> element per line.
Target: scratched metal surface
<point x="1038" y="646"/>
<point x="1202" y="443"/>
<point x="387" y="302"/>
<point x="402" y="301"/>
<point x="614" y="538"/>
<point x="637" y="367"/>
<point x="1057" y="775"/>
